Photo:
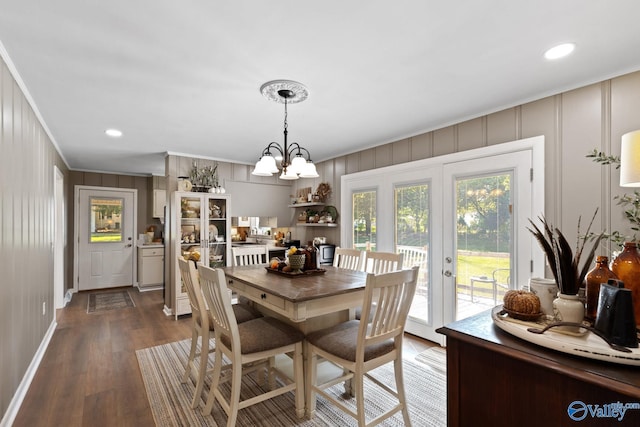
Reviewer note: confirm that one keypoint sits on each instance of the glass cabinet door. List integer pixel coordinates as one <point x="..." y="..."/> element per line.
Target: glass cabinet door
<point x="217" y="237"/>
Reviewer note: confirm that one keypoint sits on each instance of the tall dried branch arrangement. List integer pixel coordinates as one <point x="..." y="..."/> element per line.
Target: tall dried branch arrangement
<point x="567" y="270"/>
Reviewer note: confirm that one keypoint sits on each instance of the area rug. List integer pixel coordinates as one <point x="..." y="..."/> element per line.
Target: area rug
<point x="435" y="358"/>
<point x="163" y="366"/>
<point x="104" y="301"/>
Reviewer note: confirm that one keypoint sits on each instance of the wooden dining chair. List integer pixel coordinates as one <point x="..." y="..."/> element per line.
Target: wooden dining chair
<point x="250" y="255"/>
<point x="245" y="344"/>
<point x="379" y="262"/>
<point x="351" y="259"/>
<point x="358" y="347"/>
<point x="382" y="262"/>
<point x="201" y="328"/>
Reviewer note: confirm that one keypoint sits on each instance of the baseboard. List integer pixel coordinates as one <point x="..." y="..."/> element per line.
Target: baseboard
<point x="150" y="288"/>
<point x="67" y="297"/>
<point x="21" y="392"/>
<point x="167" y="311"/>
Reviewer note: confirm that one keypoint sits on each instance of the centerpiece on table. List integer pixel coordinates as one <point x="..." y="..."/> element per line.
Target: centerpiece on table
<point x="568" y="269"/>
<point x="297" y="259"/>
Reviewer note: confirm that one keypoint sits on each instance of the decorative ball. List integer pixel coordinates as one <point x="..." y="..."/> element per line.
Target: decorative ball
<point x="522" y="302"/>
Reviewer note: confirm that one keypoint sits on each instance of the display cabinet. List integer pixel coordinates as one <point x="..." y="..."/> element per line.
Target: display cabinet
<point x="202" y="233"/>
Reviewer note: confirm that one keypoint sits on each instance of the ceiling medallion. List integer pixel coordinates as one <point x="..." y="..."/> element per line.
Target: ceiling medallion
<point x="270" y="90"/>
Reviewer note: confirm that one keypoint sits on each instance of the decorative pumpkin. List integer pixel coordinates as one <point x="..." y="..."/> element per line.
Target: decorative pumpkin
<point x="522" y="302"/>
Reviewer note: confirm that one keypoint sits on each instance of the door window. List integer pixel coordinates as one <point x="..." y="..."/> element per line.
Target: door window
<point x="364" y="220"/>
<point x="412" y="218"/>
<point x="105" y="221"/>
<point x="483" y="241"/>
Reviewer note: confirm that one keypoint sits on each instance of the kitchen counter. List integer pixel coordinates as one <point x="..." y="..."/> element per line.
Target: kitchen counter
<point x="151" y="245"/>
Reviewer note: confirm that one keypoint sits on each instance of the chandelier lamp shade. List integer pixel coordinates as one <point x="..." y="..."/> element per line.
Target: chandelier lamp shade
<point x="296" y="160"/>
<point x="630" y="159"/>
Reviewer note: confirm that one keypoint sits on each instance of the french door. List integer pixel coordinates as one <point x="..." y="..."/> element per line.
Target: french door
<point x="461" y="218"/>
<point x="485" y="216"/>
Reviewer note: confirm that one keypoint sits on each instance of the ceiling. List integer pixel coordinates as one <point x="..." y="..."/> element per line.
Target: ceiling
<point x="184" y="76"/>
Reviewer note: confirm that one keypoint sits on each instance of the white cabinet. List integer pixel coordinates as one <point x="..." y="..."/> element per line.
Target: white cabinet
<point x="159" y="202"/>
<point x="201" y="230"/>
<point x="150" y="267"/>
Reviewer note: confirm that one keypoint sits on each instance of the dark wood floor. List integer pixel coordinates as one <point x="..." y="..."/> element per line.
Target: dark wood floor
<point x="89" y="375"/>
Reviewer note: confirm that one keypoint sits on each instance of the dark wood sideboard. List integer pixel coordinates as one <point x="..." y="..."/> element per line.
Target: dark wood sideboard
<point x="496" y="379"/>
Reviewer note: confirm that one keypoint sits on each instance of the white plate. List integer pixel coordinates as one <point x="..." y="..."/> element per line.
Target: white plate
<point x="184" y="185"/>
<point x="213" y="232"/>
<point x="585" y="345"/>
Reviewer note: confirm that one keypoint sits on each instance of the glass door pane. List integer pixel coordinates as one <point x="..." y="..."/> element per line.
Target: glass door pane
<point x="412" y="219"/>
<point x="364" y="220"/>
<point x="484" y="241"/>
<point x="105" y="222"/>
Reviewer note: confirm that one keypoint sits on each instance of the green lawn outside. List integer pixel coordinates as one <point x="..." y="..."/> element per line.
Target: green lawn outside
<point x="105" y="237"/>
<point x="481" y="265"/>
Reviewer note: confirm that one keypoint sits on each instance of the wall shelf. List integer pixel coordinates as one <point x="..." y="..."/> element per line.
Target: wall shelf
<point x="306" y="204"/>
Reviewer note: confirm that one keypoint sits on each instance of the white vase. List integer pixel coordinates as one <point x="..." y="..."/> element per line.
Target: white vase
<point x="568" y="308"/>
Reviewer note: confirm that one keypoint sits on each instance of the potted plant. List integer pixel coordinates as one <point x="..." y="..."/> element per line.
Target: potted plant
<point x="630" y="204"/>
<point x="568" y="269"/>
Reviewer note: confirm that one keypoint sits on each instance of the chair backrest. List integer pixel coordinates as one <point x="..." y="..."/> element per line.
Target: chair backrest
<point x="191" y="282"/>
<point x="382" y="262"/>
<point x="250" y="255"/>
<point x="387" y="300"/>
<point x="218" y="298"/>
<point x="351" y="259"/>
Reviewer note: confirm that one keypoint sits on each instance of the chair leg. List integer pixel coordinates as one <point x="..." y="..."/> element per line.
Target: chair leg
<point x="202" y="369"/>
<point x="357" y="382"/>
<point x="397" y="367"/>
<point x="234" y="399"/>
<point x="298" y="375"/>
<point x="192" y="355"/>
<point x="271" y="373"/>
<point x="311" y="381"/>
<point x="215" y="381"/>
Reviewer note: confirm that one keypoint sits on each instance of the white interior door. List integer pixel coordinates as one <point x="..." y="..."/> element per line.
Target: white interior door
<point x="105" y="224"/>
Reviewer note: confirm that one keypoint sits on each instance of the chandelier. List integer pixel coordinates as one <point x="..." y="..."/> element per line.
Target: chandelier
<point x="293" y="162"/>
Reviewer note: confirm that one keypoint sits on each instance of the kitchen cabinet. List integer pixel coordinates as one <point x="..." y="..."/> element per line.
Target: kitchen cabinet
<point x="150" y="267"/>
<point x="159" y="202"/>
<point x="240" y="221"/>
<point x="201" y="230"/>
<point x="316" y="206"/>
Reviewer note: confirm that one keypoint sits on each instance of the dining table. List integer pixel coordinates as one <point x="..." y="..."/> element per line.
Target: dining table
<point x="311" y="300"/>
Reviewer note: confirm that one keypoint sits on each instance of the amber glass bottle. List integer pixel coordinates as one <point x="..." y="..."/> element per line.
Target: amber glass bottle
<point x="626" y="267"/>
<point x="599" y="274"/>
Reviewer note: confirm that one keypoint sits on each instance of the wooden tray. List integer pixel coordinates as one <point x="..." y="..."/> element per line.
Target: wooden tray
<point x="292" y="275"/>
<point x="585" y="344"/>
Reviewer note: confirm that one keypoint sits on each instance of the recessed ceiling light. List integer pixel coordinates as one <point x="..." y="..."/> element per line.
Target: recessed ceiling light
<point x="114" y="133"/>
<point x="560" y="51"/>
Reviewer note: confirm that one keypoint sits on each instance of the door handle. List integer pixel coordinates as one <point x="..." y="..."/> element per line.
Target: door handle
<point x="447" y="273"/>
<point x="128" y="246"/>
